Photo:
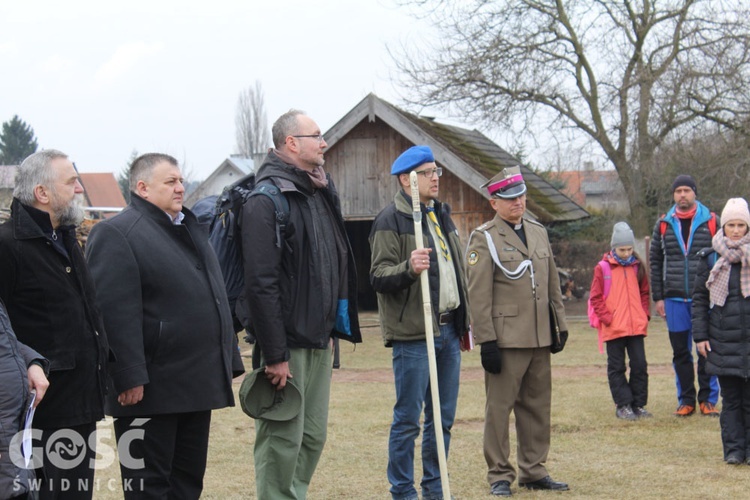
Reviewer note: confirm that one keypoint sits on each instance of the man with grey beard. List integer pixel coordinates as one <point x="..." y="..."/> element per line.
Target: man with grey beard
<point x="49" y="295"/>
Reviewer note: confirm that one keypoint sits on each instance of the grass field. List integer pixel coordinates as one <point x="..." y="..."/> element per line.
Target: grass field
<point x="598" y="455"/>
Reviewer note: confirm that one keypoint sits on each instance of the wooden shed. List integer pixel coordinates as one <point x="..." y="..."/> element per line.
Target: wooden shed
<point x="363" y="145"/>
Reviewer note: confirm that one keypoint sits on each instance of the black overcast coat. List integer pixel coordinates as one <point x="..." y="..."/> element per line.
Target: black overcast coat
<point x="165" y="308"/>
<point x="51" y="305"/>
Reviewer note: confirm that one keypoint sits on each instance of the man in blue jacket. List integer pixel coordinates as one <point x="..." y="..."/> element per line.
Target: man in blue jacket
<point x="677" y="238"/>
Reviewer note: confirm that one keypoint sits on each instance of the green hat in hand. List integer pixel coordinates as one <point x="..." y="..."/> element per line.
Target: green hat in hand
<point x="260" y="399"/>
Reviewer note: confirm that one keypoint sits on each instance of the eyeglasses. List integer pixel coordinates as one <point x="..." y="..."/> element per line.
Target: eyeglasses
<point x="428" y="173"/>
<point x="317" y="137"/>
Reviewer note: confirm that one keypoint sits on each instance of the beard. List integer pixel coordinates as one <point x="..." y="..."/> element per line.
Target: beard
<point x="72" y="213"/>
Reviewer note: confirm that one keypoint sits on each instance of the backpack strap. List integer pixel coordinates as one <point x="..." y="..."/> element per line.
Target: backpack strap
<point x="606" y="287"/>
<point x="712" y="224"/>
<point x="281" y="207"/>
<point x="607" y="275"/>
<point x="662" y="226"/>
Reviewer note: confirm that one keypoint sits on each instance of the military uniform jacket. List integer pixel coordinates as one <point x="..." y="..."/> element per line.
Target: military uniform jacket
<point x="514" y="313"/>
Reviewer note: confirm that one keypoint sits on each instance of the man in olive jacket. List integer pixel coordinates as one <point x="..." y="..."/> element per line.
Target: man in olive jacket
<point x="394" y="274"/>
<point x="165" y="307"/>
<point x="513" y="282"/>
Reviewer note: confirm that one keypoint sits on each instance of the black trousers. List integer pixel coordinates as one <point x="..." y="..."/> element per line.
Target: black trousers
<point x="163" y="457"/>
<point x="735" y="416"/>
<point x="635" y="391"/>
<point x="62" y="476"/>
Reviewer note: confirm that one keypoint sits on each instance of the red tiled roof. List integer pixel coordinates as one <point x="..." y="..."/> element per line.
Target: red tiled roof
<point x="102" y="190"/>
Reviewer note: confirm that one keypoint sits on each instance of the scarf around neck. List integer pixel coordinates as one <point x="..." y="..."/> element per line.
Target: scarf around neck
<point x="731" y="252"/>
<point x="317" y="175"/>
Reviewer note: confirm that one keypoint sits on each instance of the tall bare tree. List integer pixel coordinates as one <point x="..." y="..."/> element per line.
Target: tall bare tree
<point x="625" y="74"/>
<point x="251" y="121"/>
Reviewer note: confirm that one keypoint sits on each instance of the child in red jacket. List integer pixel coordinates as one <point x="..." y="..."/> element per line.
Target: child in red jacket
<point x="624" y="315"/>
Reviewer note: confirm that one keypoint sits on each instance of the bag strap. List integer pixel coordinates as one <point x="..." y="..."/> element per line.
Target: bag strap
<point x="281" y="207"/>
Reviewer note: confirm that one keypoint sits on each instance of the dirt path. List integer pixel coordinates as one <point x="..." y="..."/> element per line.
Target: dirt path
<point x="476" y="373"/>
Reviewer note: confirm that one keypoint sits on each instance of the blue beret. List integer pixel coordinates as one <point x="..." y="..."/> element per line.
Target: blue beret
<point x="411" y="159"/>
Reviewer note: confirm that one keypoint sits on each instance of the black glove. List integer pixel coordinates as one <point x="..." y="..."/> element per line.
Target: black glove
<point x="491" y="357"/>
<point x="558" y="347"/>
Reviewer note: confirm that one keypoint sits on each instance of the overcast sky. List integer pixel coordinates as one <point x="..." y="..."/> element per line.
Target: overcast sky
<point x="98" y="79"/>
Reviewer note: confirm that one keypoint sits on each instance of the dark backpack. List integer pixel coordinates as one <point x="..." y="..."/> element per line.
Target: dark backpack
<point x="225" y="232"/>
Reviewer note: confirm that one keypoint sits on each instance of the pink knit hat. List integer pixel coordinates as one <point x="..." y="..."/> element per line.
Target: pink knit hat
<point x="735" y="209"/>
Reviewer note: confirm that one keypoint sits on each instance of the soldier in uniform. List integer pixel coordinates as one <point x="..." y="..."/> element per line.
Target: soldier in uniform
<point x="513" y="290"/>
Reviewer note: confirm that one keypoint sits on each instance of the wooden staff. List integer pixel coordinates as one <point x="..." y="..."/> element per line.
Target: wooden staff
<point x="430" y="338"/>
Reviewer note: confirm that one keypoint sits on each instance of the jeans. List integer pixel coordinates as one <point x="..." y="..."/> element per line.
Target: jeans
<point x="412" y="377"/>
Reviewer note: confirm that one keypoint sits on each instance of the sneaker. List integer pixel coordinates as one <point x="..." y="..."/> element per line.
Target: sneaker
<point x="625" y="412"/>
<point x="709" y="410"/>
<point x="684" y="411"/>
<point x="641" y="412"/>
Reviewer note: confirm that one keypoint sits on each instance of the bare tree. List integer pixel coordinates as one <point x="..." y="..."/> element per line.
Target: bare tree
<point x="251" y="122"/>
<point x="623" y="74"/>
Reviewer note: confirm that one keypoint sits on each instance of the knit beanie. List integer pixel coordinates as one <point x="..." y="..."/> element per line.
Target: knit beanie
<point x="735" y="209"/>
<point x="622" y="236"/>
<point x="684" y="180"/>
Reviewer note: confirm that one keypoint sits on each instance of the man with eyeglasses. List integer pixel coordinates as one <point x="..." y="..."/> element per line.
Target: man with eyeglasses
<point x="514" y="290"/>
<point x="395" y="276"/>
<point x="300" y="295"/>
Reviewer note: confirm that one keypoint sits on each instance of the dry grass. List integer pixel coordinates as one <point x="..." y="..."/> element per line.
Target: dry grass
<point x="598" y="455"/>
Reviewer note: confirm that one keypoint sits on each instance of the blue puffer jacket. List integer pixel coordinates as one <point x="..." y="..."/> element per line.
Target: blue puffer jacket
<point x="14" y="394"/>
<point x="674" y="264"/>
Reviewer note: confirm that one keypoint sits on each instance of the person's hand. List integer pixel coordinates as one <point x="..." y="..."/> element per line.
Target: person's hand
<point x="491" y="357"/>
<point x="37" y="381"/>
<point x="420" y="260"/>
<point x="131" y="396"/>
<point x="703" y="348"/>
<point x="278" y="374"/>
<point x="660" y="308"/>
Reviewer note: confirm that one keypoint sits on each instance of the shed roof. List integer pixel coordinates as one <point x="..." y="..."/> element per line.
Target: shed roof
<point x="468" y="154"/>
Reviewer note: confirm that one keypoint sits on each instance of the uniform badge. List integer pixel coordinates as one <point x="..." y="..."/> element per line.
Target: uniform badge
<point x="473" y="257"/>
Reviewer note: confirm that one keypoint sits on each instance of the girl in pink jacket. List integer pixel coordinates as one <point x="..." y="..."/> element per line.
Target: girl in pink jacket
<point x="623" y="314"/>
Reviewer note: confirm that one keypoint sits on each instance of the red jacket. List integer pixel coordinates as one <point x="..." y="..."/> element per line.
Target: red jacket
<point x="626" y="309"/>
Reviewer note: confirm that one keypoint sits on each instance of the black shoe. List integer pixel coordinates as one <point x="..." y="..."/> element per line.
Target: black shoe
<point x="734" y="460"/>
<point x="546" y="483"/>
<point x="500" y="489"/>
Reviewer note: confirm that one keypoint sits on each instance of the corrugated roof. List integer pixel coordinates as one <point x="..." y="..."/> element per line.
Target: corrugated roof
<point x="102" y="190"/>
<point x="245" y="164"/>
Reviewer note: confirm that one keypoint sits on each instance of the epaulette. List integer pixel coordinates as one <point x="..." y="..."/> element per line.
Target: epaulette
<point x="485" y="226"/>
<point x="534" y="222"/>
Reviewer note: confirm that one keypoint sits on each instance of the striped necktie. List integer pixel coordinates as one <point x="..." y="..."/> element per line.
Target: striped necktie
<point x="441" y="239"/>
